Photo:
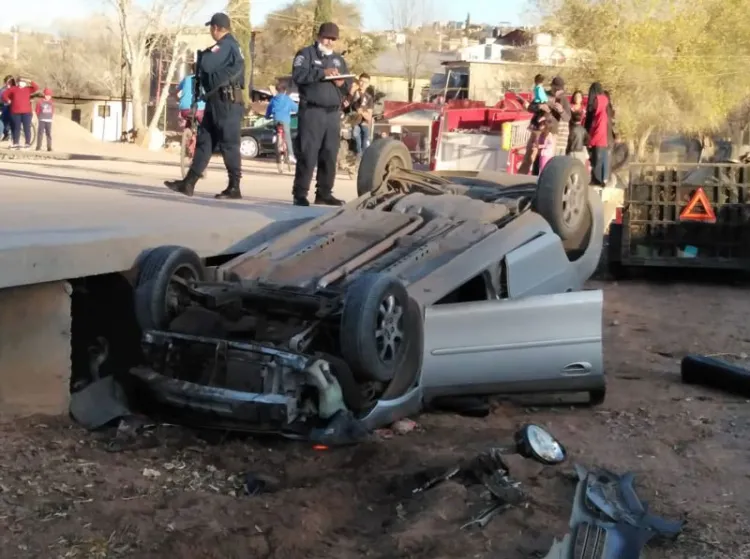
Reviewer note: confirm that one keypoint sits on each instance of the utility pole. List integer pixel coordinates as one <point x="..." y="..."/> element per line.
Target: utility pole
<point x="123" y="90"/>
<point x="253" y="38"/>
<point x="14" y="31"/>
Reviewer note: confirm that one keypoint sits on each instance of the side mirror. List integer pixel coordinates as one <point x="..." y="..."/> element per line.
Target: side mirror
<point x="534" y="442"/>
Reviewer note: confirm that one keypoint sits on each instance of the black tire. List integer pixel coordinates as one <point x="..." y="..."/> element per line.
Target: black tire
<point x="562" y="197"/>
<point x="715" y="373"/>
<point x="376" y="301"/>
<point x="158" y="298"/>
<point x="380" y="157"/>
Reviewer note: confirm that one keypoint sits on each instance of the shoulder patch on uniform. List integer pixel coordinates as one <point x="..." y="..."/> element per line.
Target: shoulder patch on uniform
<point x="298" y="61"/>
<point x="215" y="48"/>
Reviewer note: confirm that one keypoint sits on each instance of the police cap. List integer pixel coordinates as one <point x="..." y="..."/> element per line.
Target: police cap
<point x="329" y="30"/>
<point x="220" y="20"/>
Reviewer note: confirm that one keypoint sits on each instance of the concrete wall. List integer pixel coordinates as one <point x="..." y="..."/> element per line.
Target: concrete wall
<point x="66" y="108"/>
<point x="396" y="88"/>
<point x="489" y="81"/>
<point x="35" y="347"/>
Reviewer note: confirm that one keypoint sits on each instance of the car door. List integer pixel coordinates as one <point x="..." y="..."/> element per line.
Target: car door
<point x="532" y="344"/>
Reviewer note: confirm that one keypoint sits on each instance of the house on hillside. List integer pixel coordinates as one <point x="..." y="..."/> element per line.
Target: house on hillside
<point x="522" y="45"/>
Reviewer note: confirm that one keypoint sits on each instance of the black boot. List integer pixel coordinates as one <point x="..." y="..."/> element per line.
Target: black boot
<point x="232" y="191"/>
<point x="184" y="186"/>
<point x="300" y="201"/>
<point x="327" y="200"/>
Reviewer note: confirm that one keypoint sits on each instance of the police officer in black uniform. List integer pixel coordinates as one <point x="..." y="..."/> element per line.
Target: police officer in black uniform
<point x="222" y="77"/>
<point x="319" y="118"/>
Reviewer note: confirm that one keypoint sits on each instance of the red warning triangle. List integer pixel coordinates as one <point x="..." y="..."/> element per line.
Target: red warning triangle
<point x="699" y="208"/>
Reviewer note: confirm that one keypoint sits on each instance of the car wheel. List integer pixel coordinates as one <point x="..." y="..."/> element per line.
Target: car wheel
<point x="562" y="197"/>
<point x="249" y="147"/>
<point x="161" y="292"/>
<point x="381" y="157"/>
<point x="377" y="331"/>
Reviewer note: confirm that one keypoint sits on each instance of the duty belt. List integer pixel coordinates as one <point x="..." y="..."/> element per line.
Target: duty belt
<point x="230" y="94"/>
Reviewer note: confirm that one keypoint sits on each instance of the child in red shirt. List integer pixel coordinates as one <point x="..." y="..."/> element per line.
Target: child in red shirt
<point x="45" y="110"/>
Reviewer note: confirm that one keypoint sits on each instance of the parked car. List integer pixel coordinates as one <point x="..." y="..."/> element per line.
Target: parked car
<point x="261" y="140"/>
<point x="427" y="286"/>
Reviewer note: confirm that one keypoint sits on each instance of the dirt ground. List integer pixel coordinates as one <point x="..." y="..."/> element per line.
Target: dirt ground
<point x="67" y="493"/>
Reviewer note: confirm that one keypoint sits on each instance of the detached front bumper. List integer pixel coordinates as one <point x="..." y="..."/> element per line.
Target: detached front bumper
<point x="242" y="386"/>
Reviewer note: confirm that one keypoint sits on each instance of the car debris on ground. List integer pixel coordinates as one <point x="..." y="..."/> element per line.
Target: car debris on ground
<point x="608" y="520"/>
<point x="490" y="471"/>
<point x="716" y="373"/>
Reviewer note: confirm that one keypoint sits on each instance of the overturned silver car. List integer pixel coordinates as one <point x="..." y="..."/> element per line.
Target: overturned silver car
<point x="425" y="286"/>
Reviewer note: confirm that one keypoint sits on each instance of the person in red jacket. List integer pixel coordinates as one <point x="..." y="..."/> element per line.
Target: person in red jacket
<point x="19" y="97"/>
<point x="45" y="110"/>
<point x="599" y="126"/>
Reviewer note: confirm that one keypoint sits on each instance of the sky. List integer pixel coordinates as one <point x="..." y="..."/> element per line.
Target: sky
<point x="41" y="14"/>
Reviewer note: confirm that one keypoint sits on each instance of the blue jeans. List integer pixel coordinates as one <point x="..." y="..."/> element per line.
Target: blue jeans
<point x="5" y="123"/>
<point x="599" y="165"/>
<point x="286" y="126"/>
<point x="21" y="121"/>
<point x="361" y="133"/>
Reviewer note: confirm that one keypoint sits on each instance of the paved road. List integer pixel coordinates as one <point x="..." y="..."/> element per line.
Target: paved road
<point x="113" y="207"/>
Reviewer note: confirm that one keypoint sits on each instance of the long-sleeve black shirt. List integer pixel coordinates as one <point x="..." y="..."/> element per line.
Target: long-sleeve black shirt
<point x="222" y="65"/>
<point x="308" y="73"/>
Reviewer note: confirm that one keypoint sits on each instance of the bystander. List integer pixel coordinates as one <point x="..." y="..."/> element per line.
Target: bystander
<point x="19" y="97"/>
<point x="45" y="111"/>
<point x="361" y="106"/>
<point x="280" y="109"/>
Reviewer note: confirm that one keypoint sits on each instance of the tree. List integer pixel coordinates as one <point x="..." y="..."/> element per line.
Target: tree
<point x="289" y="29"/>
<point x="666" y="63"/>
<point x="79" y="60"/>
<point x="146" y="28"/>
<point x="323" y="13"/>
<point x="414" y="39"/>
<point x="239" y="13"/>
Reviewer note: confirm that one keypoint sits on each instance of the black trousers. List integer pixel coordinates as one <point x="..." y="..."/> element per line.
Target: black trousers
<point x="220" y="130"/>
<point x="318" y="138"/>
<point x="44" y="129"/>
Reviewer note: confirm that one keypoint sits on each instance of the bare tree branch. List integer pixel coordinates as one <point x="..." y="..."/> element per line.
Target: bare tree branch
<point x="414" y="39"/>
<point x="143" y="29"/>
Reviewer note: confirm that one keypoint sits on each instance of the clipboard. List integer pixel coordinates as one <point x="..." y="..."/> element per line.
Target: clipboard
<point x="339" y="77"/>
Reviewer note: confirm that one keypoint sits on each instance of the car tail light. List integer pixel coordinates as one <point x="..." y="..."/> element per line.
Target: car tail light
<point x="618" y="215"/>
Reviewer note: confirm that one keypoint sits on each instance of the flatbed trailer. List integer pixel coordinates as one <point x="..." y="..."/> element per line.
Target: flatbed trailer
<point x="683" y="216"/>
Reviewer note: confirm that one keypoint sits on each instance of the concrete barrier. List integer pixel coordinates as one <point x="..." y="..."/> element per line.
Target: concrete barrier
<point x="35" y="294"/>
